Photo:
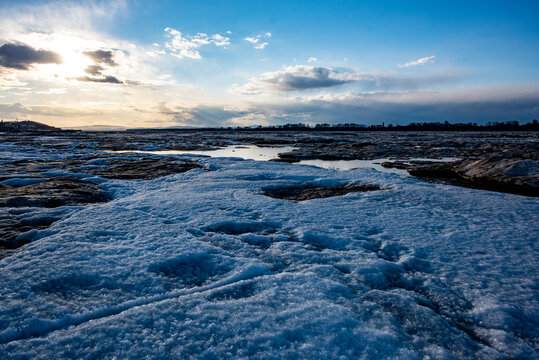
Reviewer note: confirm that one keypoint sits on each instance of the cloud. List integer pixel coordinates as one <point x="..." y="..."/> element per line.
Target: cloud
<point x="479" y="105"/>
<point x="419" y="62"/>
<point x="75" y="17"/>
<point x="201" y="115"/>
<point x="299" y="77"/>
<point x="75" y="30"/>
<point x="94" y="70"/>
<point x="252" y="40"/>
<point x="256" y="40"/>
<point x="104" y="79"/>
<point x="186" y="46"/>
<point x="312" y="60"/>
<point x="310" y="77"/>
<point x="22" y="57"/>
<point x="101" y="57"/>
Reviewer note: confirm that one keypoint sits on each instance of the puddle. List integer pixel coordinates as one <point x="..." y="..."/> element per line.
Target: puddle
<point x="249" y="152"/>
<point x="343" y="165"/>
<point x="254" y="152"/>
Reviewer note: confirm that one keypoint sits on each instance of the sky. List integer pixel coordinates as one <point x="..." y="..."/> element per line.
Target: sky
<point x="74" y="64"/>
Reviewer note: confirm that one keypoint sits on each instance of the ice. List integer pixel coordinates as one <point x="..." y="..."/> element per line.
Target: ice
<point x="202" y="264"/>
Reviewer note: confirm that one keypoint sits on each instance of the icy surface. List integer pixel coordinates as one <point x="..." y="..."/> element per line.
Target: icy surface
<point x="203" y="265"/>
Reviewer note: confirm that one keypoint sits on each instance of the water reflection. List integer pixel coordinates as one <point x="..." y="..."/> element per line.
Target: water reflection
<point x="343" y="165"/>
<point x="254" y="152"/>
<point x="251" y="152"/>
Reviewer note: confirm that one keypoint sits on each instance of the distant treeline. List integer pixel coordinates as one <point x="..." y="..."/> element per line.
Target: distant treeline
<point x="431" y="126"/>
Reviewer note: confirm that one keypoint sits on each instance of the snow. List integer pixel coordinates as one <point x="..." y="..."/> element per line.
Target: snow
<point x="203" y="265"/>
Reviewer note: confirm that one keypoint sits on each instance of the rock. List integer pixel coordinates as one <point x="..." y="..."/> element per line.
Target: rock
<point x="52" y="193"/>
<point x="309" y="192"/>
<point x="19" y="227"/>
<point x="496" y="173"/>
<point x="142" y="168"/>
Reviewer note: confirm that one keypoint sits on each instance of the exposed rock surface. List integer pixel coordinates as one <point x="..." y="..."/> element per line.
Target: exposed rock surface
<point x="52" y="193"/>
<point x="143" y="168"/>
<point x="28" y="185"/>
<point x="309" y="192"/>
<point x="16" y="225"/>
<point x="512" y="175"/>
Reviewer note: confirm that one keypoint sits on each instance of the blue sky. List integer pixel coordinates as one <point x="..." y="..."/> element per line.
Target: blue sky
<point x="226" y="63"/>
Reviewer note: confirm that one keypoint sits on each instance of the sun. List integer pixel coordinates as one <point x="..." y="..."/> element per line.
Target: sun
<point x="70" y="48"/>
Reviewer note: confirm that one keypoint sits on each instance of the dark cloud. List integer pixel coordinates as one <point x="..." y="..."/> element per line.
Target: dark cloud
<point x="94" y="70"/>
<point x="102" y="57"/>
<point x="304" y="78"/>
<point x="104" y="79"/>
<point x="22" y="57"/>
<point x="102" y="60"/>
<point x="307" y="77"/>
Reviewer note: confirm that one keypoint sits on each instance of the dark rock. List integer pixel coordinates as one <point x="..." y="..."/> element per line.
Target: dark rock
<point x="15" y="229"/>
<point x="495" y="173"/>
<point x="309" y="192"/>
<point x="143" y="168"/>
<point x="18" y="227"/>
<point x="52" y="193"/>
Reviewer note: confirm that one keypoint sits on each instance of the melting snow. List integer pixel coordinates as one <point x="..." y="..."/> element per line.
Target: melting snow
<point x="203" y="265"/>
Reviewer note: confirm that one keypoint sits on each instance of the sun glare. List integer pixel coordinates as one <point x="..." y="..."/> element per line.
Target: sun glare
<point x="70" y="48"/>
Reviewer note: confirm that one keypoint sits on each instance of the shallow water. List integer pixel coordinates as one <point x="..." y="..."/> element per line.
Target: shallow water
<point x="254" y="152"/>
<point x="343" y="165"/>
<point x="248" y="152"/>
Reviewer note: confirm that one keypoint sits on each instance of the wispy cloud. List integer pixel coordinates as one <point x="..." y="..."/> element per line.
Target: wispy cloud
<point x="312" y="60"/>
<point x="186" y="46"/>
<point x="421" y="61"/>
<point x="258" y="40"/>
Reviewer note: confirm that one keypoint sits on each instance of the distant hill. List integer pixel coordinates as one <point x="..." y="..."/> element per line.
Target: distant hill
<point x="26" y="125"/>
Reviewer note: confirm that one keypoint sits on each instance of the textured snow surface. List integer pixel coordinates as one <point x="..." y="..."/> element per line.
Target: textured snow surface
<point x="203" y="265"/>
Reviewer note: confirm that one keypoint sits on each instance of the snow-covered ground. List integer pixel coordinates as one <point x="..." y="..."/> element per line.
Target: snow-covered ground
<point x="203" y="265"/>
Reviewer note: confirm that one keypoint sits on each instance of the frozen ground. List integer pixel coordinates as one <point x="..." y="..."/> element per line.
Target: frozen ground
<point x="202" y="265"/>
